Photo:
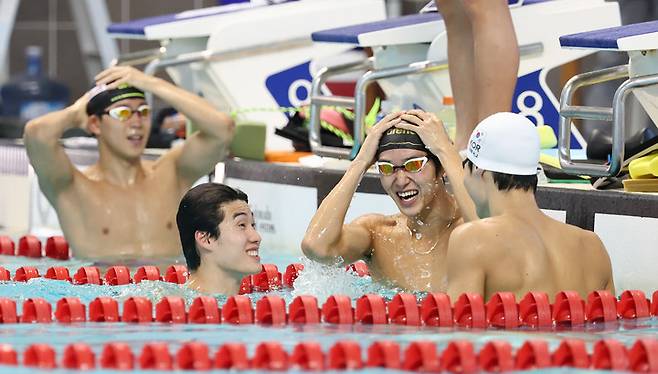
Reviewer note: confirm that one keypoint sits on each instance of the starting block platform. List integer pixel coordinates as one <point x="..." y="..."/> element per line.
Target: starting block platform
<point x="635" y="37"/>
<point x="640" y="42"/>
<point x="410" y="61"/>
<point x="415" y="28"/>
<point x="250" y="59"/>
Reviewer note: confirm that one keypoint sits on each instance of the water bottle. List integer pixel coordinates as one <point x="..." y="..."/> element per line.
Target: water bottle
<point x="448" y="116"/>
<point x="32" y="94"/>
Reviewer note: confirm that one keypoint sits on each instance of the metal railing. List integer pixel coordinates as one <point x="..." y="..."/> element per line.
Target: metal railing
<point x="358" y="102"/>
<point x="616" y="114"/>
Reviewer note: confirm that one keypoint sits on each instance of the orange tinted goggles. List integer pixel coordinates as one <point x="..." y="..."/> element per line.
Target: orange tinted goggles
<point x="413" y="165"/>
<point x="123" y="113"/>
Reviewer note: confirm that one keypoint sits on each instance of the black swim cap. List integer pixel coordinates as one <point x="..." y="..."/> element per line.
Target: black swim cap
<point x="101" y="97"/>
<point x="395" y="138"/>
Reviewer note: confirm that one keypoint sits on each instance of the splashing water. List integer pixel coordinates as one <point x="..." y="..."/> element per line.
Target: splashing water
<point x="323" y="281"/>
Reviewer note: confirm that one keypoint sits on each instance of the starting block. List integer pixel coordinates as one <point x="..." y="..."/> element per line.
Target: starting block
<point x="410" y="61"/>
<point x="252" y="58"/>
<point x="640" y="42"/>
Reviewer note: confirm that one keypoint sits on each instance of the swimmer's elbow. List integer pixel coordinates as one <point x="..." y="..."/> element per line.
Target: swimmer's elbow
<point x="315" y="250"/>
<point x="35" y="133"/>
<point x="226" y="129"/>
<point x="32" y="130"/>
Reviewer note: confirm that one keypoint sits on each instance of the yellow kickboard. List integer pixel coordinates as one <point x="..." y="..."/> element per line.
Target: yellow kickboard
<point x="641" y="185"/>
<point x="644" y="167"/>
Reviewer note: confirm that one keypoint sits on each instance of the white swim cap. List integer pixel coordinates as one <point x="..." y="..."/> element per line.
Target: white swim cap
<point x="505" y="143"/>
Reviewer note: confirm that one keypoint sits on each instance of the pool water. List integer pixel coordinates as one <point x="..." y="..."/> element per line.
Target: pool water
<point x="317" y="280"/>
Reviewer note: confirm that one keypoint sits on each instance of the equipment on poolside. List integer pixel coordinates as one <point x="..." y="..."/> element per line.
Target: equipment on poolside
<point x="410" y="58"/>
<point x="644" y="167"/>
<point x="33" y="93"/>
<point x="640" y="41"/>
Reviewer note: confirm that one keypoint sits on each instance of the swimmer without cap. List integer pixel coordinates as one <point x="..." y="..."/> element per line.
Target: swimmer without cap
<point x="101" y="97"/>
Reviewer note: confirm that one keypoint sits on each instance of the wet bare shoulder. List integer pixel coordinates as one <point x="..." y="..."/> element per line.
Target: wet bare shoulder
<point x="92" y="173"/>
<point x="376" y="222"/>
<point x="479" y="239"/>
<point x="170" y="157"/>
<point x="592" y="244"/>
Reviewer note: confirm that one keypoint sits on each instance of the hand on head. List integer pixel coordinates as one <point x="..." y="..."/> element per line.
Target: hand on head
<point x="428" y="127"/>
<point x="369" y="148"/>
<point x="80" y="110"/>
<point x="116" y="75"/>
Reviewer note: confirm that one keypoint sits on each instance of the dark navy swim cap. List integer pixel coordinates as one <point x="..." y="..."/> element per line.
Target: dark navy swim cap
<point x="101" y="97"/>
<point x="395" y="138"/>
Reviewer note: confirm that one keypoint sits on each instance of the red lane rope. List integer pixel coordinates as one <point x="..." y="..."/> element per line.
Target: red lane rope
<point x="468" y="311"/>
<point x="267" y="280"/>
<point x="458" y="356"/>
<point x="30" y="246"/>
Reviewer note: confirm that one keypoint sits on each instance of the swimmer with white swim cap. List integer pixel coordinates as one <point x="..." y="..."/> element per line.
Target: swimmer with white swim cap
<point x="515" y="247"/>
<point x="407" y="249"/>
<point x="219" y="238"/>
<point x="124" y="207"/>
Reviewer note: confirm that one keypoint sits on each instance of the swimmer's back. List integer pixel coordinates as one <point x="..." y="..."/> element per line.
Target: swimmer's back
<point x="540" y="254"/>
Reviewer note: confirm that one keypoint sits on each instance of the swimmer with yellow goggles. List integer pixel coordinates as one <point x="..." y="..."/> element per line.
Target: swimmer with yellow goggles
<point x="124" y="113"/>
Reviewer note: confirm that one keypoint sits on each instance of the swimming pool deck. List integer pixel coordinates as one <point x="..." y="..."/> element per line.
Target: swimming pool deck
<point x="581" y="202"/>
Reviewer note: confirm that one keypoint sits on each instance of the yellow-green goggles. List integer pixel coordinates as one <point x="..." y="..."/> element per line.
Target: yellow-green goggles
<point x="123" y="113"/>
<point x="412" y="165"/>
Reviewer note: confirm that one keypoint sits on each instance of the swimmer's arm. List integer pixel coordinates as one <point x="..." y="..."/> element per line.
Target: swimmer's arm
<point x="203" y="149"/>
<point x="452" y="165"/>
<point x="464" y="262"/>
<point x="326" y="236"/>
<point x="41" y="136"/>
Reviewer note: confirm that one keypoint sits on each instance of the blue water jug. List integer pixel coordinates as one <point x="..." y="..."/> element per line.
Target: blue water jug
<point x="32" y="94"/>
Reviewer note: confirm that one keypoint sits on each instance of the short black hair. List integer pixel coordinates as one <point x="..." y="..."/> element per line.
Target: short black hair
<point x="200" y="210"/>
<point x="507" y="182"/>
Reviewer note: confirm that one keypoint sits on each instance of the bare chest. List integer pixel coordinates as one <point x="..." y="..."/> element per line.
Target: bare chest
<point x="135" y="220"/>
<point x="410" y="262"/>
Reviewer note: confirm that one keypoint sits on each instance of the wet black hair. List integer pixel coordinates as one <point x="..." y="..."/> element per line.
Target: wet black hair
<point x="507" y="182"/>
<point x="201" y="210"/>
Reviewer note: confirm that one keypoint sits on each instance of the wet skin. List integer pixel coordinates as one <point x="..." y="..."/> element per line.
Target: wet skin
<point x="124" y="207"/>
<point x="518" y="249"/>
<point x="408" y="249"/>
<point x="225" y="260"/>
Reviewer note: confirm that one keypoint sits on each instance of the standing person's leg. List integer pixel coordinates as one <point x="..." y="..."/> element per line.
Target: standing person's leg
<point x="496" y="55"/>
<point x="461" y="60"/>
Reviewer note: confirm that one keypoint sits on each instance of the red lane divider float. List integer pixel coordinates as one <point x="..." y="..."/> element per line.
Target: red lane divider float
<point x="458" y="356"/>
<point x="56" y="247"/>
<point x="7" y="246"/>
<point x="469" y="311"/>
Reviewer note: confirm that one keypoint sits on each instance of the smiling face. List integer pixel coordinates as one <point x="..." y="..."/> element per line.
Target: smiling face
<point x="412" y="192"/>
<point x="236" y="248"/>
<point x="126" y="138"/>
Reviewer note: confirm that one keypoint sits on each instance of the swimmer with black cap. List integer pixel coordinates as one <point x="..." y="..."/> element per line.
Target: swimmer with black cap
<point x="123" y="207"/>
<point x="406" y="249"/>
